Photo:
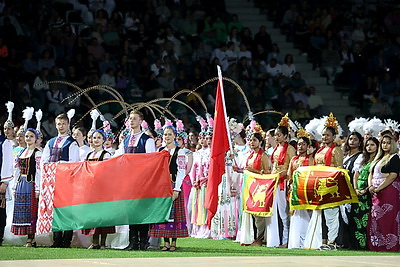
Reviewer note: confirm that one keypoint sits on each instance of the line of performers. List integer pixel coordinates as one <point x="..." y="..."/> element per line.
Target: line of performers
<point x="369" y="152"/>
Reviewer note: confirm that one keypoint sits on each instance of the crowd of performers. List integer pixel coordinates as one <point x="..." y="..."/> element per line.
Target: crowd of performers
<point x="369" y="152"/>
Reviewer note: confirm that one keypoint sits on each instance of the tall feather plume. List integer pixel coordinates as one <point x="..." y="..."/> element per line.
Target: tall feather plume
<point x="94" y="114"/>
<point x="10" y="107"/>
<point x="39" y="116"/>
<point x="27" y="114"/>
<point x="70" y="114"/>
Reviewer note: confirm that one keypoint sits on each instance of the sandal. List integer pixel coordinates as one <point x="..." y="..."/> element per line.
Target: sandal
<point x="164" y="248"/>
<point x="94" y="246"/>
<point x="172" y="248"/>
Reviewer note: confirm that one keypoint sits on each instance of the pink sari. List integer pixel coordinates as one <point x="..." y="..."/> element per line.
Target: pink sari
<point x="383" y="229"/>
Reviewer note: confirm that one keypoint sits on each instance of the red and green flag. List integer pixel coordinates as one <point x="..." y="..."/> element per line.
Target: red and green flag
<point x="321" y="187"/>
<point x="128" y="189"/>
<point x="258" y="193"/>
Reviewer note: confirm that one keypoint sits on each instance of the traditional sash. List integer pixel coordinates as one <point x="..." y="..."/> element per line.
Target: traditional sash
<point x="328" y="154"/>
<point x="281" y="161"/>
<point x="257" y="160"/>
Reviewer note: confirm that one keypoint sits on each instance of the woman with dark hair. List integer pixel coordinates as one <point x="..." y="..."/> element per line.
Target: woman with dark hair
<point x="257" y="162"/>
<point x="384" y="185"/>
<point x="358" y="217"/>
<point x="327" y="155"/>
<point x="300" y="218"/>
<point x="280" y="159"/>
<point x="26" y="189"/>
<point x="98" y="154"/>
<point x="351" y="162"/>
<point x="176" y="226"/>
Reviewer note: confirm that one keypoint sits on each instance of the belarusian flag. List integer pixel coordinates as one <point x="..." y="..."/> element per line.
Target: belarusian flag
<point x="128" y="189"/>
<point x="258" y="193"/>
<point x="321" y="187"/>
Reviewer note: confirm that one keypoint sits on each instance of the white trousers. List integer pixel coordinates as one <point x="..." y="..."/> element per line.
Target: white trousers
<point x="280" y="204"/>
<point x="298" y="228"/>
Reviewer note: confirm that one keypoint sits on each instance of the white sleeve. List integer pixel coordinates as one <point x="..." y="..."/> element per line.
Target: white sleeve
<point x="150" y="145"/>
<point x="74" y="152"/>
<point x="107" y="156"/>
<point x="120" y="150"/>
<point x="357" y="162"/>
<point x="181" y="172"/>
<point x="7" y="167"/>
<point x="45" y="155"/>
<point x="38" y="173"/>
<point x="16" y="175"/>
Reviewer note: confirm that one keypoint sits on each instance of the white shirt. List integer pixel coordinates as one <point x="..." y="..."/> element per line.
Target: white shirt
<point x="73" y="151"/>
<point x="150" y="145"/>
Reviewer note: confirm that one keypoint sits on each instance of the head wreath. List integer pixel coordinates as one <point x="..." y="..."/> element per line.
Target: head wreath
<point x="203" y="125"/>
<point x="158" y="127"/>
<point x="234" y="127"/>
<point x="108" y="131"/>
<point x="285" y="122"/>
<point x="301" y="133"/>
<point x="332" y="122"/>
<point x="180" y="128"/>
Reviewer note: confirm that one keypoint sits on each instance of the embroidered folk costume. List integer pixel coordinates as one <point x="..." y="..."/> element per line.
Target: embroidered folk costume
<point x="27" y="173"/>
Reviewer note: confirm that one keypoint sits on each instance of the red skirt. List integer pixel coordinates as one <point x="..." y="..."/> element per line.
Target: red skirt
<point x="176" y="229"/>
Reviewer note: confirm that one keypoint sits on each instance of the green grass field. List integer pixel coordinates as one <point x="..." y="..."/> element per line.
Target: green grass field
<point x="188" y="247"/>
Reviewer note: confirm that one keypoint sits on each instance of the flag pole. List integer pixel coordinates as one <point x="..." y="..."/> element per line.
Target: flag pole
<point x="220" y="80"/>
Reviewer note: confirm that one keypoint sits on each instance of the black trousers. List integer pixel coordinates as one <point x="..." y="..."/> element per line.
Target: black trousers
<point x="62" y="238"/>
<point x="3" y="221"/>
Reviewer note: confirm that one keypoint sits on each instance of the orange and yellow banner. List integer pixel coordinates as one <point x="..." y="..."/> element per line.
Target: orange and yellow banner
<point x="258" y="193"/>
<point x="321" y="187"/>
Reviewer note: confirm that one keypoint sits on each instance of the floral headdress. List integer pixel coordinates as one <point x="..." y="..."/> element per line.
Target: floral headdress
<point x="10" y="107"/>
<point x="125" y="132"/>
<point x="210" y="122"/>
<point x="168" y="123"/>
<point x="203" y="125"/>
<point x="180" y="128"/>
<point x="158" y="127"/>
<point x="254" y="127"/>
<point x="285" y="121"/>
<point x="144" y="125"/>
<point x="301" y="133"/>
<point x="234" y="128"/>
<point x="332" y="122"/>
<point x="108" y="131"/>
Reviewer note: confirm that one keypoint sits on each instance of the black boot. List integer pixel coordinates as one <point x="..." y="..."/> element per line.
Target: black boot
<point x="133" y="239"/>
<point x="144" y="237"/>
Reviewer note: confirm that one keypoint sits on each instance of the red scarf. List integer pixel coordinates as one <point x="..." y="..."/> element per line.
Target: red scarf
<point x="257" y="160"/>
<point x="305" y="162"/>
<point x="282" y="155"/>
<point x="328" y="154"/>
<point x="281" y="161"/>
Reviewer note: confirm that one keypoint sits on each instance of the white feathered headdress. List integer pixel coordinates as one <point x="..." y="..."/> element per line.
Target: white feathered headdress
<point x="27" y="114"/>
<point x="357" y="125"/>
<point x="393" y="125"/>
<point x="374" y="126"/>
<point x="94" y="114"/>
<point x="39" y="116"/>
<point x="10" y="107"/>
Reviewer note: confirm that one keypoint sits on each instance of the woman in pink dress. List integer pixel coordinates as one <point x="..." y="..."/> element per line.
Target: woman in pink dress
<point x="383" y="229"/>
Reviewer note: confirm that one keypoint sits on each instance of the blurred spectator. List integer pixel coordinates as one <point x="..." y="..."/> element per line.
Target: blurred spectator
<point x="95" y="49"/>
<point x="330" y="62"/>
<point x="300" y="113"/>
<point x="263" y="38"/>
<point x="315" y="103"/>
<point x="288" y="67"/>
<point x="296" y="81"/>
<point x="108" y="78"/>
<point x="317" y="43"/>
<point x="275" y="53"/>
<point x="54" y="98"/>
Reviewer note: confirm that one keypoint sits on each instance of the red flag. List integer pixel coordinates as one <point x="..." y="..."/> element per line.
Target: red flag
<point x="220" y="145"/>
